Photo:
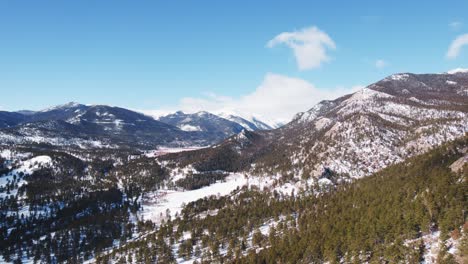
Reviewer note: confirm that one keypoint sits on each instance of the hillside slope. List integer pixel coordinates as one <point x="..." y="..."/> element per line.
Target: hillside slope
<point x="357" y="134"/>
<point x="410" y="212"/>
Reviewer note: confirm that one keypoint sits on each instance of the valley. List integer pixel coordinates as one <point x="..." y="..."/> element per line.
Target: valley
<point x="94" y="183"/>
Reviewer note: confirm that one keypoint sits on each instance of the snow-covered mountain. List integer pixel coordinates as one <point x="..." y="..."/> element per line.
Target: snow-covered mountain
<point x="384" y="123"/>
<point x="75" y="124"/>
<point x="361" y="133"/>
<point x="214" y="127"/>
<point x="94" y="126"/>
<point x="223" y="124"/>
<point x="249" y="122"/>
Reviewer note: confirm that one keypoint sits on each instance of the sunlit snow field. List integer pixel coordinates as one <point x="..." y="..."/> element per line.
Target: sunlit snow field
<point x="156" y="204"/>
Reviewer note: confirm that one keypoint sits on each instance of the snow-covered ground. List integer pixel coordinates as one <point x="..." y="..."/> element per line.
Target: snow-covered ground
<point x="187" y="127"/>
<point x="156" y="204"/>
<point x="163" y="151"/>
<point x="273" y="183"/>
<point x="36" y="136"/>
<point x="26" y="168"/>
<point x="24" y="260"/>
<point x="10" y="155"/>
<point x="432" y="244"/>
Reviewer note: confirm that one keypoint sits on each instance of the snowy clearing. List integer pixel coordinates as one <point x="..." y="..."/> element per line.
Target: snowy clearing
<point x="157" y="203"/>
<point x="163" y="151"/>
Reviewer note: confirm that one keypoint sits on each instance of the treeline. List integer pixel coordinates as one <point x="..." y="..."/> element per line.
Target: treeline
<point x="199" y="180"/>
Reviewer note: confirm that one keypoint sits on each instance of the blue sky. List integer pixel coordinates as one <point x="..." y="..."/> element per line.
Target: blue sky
<point x="167" y="54"/>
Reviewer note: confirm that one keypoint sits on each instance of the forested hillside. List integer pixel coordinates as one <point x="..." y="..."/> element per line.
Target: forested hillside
<point x="65" y="207"/>
<point x="389" y="217"/>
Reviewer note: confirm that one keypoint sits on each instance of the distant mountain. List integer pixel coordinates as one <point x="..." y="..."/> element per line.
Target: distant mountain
<point x="357" y="134"/>
<point x="8" y="119"/>
<point x="248" y="122"/>
<point x="251" y="123"/>
<point x="26" y="112"/>
<point x="60" y="112"/>
<point x="216" y="128"/>
<point x="75" y="124"/>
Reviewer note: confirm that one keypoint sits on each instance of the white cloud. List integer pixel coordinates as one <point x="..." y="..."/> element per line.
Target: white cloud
<point x="309" y="45"/>
<point x="455" y="25"/>
<point x="457" y="44"/>
<point x="277" y="99"/>
<point x="380" y="64"/>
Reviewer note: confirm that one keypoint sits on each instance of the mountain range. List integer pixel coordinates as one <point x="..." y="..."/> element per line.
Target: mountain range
<point x="89" y="126"/>
<point x="354" y="135"/>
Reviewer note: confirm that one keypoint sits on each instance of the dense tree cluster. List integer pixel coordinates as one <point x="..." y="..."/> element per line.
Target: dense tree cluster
<point x="371" y="218"/>
<point x="73" y="208"/>
<point x="199" y="180"/>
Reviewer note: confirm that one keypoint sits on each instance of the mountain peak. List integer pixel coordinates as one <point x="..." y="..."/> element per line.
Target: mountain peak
<point x="62" y="106"/>
<point x="203" y="113"/>
<point x="398" y="77"/>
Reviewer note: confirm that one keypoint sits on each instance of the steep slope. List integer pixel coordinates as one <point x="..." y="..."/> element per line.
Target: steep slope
<point x="358" y="134"/>
<point x="386" y="122"/>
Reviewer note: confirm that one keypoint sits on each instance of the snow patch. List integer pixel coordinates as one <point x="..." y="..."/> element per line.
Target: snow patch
<point x="25" y="168"/>
<point x="64" y="106"/>
<point x="187" y="127"/>
<point x="399" y="77"/>
<point x="163" y="151"/>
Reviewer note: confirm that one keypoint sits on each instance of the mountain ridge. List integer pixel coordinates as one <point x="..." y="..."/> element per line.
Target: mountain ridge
<point x="357" y="134"/>
<point x="108" y="126"/>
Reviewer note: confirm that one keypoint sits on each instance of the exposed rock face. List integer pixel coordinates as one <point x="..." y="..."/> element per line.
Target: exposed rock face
<point x="458" y="165"/>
